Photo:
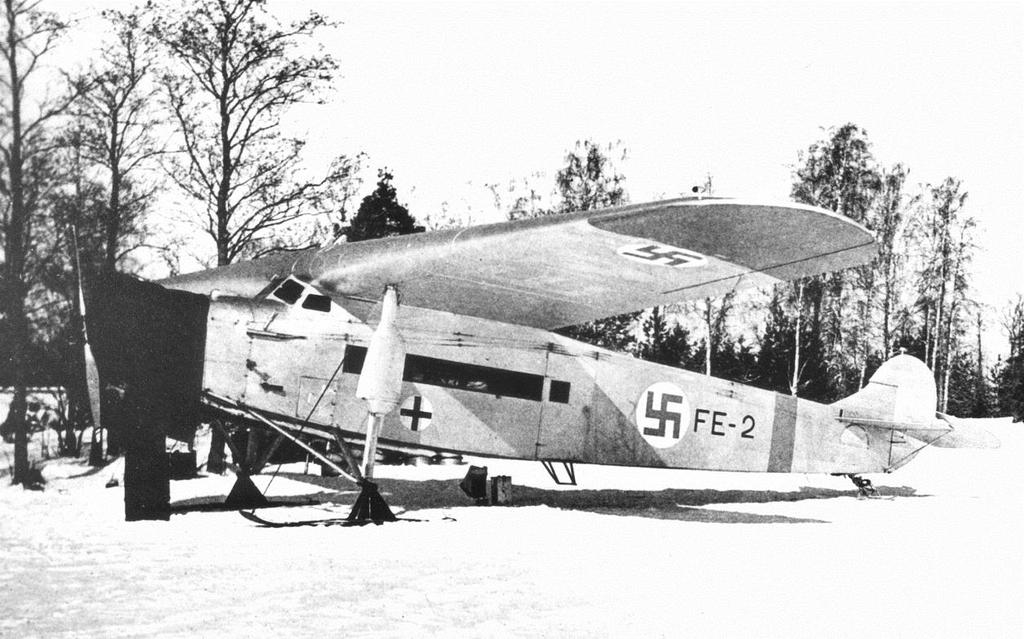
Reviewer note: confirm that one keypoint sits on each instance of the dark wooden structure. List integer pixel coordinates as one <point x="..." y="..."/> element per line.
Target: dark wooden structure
<point x="148" y="342"/>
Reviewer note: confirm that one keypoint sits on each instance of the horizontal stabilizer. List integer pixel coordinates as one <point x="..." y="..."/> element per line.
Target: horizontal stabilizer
<point x="945" y="432"/>
<point x="938" y="426"/>
<point x="966" y="433"/>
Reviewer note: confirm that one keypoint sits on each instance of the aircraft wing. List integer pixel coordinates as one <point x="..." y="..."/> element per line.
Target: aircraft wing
<point x="562" y="270"/>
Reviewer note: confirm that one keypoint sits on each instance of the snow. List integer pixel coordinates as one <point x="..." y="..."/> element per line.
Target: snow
<point x="693" y="554"/>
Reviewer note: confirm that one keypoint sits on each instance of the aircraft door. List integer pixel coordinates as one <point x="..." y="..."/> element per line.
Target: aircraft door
<point x="565" y="415"/>
<point x="289" y="365"/>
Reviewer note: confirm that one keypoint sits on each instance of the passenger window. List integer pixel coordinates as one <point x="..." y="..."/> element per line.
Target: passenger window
<point x="559" y="392"/>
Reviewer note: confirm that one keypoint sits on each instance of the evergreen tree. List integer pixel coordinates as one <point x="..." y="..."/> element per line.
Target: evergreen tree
<point x="380" y="214"/>
<point x="589" y="179"/>
<point x="1010" y="374"/>
<point x="665" y="342"/>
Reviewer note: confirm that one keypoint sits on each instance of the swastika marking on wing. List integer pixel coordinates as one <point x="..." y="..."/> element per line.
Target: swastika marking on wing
<point x="653" y="253"/>
<point x="661" y="411"/>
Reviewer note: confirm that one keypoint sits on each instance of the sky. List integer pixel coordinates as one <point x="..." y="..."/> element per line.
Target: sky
<point x="452" y="96"/>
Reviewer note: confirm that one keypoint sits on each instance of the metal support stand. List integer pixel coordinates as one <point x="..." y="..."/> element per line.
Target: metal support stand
<point x="370" y="506"/>
<point x="245" y="494"/>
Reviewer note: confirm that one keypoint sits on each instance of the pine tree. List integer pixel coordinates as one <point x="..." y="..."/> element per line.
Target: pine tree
<point x="380" y="214"/>
<point x="665" y="342"/>
<point x="1010" y="374"/>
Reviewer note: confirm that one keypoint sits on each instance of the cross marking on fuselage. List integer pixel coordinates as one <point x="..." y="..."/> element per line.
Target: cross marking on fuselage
<point x="416" y="413"/>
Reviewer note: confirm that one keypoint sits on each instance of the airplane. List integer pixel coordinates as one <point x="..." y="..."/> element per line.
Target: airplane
<point x="442" y="342"/>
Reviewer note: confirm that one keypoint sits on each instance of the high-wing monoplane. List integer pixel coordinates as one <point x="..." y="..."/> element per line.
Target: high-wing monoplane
<point x="443" y="342"/>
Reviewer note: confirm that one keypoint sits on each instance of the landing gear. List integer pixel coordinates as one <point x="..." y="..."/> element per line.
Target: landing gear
<point x="865" y="490"/>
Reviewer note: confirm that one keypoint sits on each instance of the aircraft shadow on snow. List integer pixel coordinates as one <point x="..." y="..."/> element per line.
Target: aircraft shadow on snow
<point x="670" y="504"/>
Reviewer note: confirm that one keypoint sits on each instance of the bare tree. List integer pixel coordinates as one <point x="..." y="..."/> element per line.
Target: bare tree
<point x="118" y="122"/>
<point x="29" y="34"/>
<point x="235" y="71"/>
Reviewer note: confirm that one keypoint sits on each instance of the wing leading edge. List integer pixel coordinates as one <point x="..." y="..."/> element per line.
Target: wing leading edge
<point x="567" y="269"/>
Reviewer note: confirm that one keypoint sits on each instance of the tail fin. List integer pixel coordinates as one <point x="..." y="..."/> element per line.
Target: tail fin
<point x="901" y="397"/>
<point x="902" y="391"/>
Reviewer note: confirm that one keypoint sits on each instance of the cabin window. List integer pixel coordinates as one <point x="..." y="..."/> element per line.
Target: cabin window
<point x="471" y="377"/>
<point x="459" y="375"/>
<point x="316" y="302"/>
<point x="559" y="392"/>
<point x="289" y="292"/>
<point x="354" y="358"/>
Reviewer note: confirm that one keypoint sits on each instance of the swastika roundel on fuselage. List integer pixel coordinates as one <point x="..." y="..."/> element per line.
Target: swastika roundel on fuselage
<point x="662" y="414"/>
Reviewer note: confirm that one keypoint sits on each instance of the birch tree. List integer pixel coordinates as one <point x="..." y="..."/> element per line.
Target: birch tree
<point x="890" y="231"/>
<point x="839" y="174"/>
<point x="945" y="237"/>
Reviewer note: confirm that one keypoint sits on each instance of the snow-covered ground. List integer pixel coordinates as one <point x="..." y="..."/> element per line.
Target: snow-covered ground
<point x="697" y="554"/>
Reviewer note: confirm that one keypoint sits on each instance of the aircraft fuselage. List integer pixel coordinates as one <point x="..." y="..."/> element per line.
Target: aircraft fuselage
<point x="486" y="388"/>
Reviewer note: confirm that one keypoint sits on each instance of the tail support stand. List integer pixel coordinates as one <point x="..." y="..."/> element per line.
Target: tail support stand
<point x="865" y="490"/>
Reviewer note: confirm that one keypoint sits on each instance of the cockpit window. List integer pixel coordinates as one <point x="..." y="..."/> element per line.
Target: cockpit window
<point x="289" y="292"/>
<point x="316" y="302"/>
<point x="269" y="288"/>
